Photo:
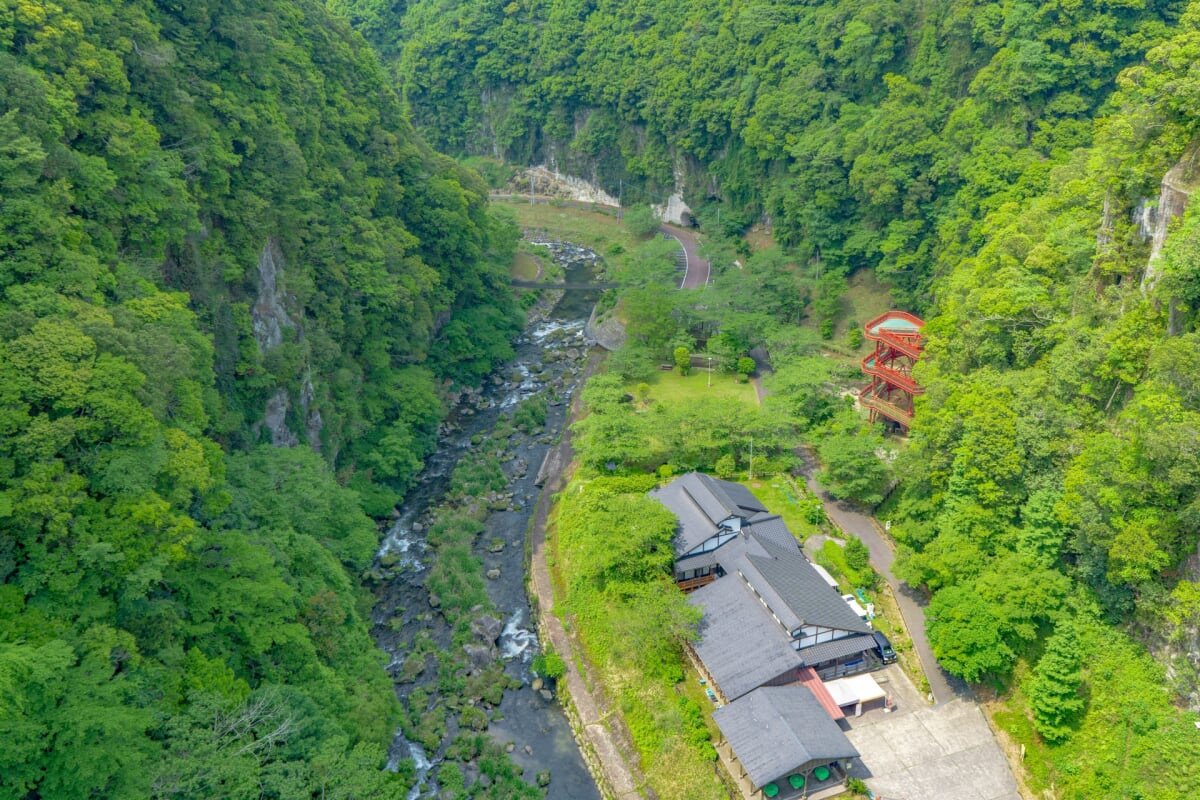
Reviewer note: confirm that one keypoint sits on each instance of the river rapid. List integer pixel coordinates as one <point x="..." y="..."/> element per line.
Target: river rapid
<point x="550" y="357"/>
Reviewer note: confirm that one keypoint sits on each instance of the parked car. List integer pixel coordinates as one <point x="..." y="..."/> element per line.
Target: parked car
<point x="861" y="612"/>
<point x="884" y="648"/>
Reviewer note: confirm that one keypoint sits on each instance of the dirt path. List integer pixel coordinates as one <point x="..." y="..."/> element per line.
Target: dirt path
<point x="601" y="735"/>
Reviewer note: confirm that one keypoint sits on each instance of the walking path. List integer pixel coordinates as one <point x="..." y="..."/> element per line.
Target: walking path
<point x="944" y="686"/>
<point x="601" y="735"/>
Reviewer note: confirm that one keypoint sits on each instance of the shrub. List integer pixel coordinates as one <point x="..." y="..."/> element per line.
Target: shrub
<point x="683" y="360"/>
<point x="530" y="415"/>
<point x="857" y="554"/>
<point x="641" y="221"/>
<point x="549" y="664"/>
<point x="726" y="465"/>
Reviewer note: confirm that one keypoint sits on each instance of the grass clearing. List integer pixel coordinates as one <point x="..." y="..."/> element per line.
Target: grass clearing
<point x="865" y="298"/>
<point x="760" y="238"/>
<point x="599" y="230"/>
<point x="671" y="387"/>
<point x="783" y="496"/>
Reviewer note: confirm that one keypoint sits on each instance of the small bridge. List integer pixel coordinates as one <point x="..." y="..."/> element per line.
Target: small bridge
<point x="567" y="287"/>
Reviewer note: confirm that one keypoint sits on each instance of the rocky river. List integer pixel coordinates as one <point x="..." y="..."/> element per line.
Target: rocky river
<point x="528" y="722"/>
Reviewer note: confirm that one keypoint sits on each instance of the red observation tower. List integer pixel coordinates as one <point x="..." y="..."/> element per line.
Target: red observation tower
<point x="897" y="337"/>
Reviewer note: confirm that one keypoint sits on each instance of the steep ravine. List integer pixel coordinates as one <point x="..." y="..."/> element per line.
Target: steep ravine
<point x="529" y="722"/>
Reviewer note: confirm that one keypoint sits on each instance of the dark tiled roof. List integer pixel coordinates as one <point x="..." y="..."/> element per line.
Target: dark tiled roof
<point x="773" y="532"/>
<point x="800" y="587"/>
<point x="694" y="524"/>
<point x="741" y="644"/>
<point x="777" y="731"/>
<point x="697" y="561"/>
<point x="702" y="503"/>
<point x="735" y="499"/>
<point x="827" y="651"/>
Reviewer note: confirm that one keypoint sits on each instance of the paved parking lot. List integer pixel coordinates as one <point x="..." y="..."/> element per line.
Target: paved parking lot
<point x="921" y="753"/>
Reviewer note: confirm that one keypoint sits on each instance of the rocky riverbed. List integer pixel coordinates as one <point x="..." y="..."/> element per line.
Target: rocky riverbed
<point x="409" y="623"/>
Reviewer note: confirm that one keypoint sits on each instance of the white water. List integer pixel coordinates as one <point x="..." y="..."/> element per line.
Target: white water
<point x="528" y="387"/>
<point x="402" y="541"/>
<point x="420" y="761"/>
<point x="544" y="329"/>
<point x="515" y="641"/>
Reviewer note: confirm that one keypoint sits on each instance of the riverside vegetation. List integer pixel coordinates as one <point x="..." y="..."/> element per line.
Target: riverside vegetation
<point x="217" y="232"/>
<point x="998" y="165"/>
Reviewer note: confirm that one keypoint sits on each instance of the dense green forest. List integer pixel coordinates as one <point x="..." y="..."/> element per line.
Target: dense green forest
<point x="990" y="162"/>
<point x="217" y="231"/>
<point x="871" y="133"/>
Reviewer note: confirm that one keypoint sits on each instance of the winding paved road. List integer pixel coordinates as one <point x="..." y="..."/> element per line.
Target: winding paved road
<point x="698" y="269"/>
<point x="944" y="686"/>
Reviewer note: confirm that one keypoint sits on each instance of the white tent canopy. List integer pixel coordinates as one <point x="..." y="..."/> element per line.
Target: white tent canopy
<point x="854" y="691"/>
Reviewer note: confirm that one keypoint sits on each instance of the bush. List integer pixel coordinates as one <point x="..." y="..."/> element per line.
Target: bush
<point x="530" y="415"/>
<point x="683" y="360"/>
<point x="641" y="221"/>
<point x="745" y="366"/>
<point x="857" y="554"/>
<point x="725" y="467"/>
<point x="813" y="510"/>
<point x="549" y="664"/>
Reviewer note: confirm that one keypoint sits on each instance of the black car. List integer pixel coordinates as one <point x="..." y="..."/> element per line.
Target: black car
<point x="884" y="648"/>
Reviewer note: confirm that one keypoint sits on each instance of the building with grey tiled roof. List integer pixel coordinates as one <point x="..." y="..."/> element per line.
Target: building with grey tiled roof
<point x="771" y="623"/>
<point x="782" y="731"/>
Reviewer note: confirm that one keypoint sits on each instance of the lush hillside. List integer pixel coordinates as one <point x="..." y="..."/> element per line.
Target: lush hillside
<point x="216" y="231"/>
<point x="993" y="162"/>
<point x="871" y="133"/>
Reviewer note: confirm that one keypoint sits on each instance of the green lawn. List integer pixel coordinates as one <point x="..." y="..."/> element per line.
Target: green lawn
<point x="671" y="387"/>
<point x="783" y="496"/>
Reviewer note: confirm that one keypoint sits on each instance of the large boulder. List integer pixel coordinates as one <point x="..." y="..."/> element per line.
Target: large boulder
<point x="487" y="628"/>
<point x="480" y="656"/>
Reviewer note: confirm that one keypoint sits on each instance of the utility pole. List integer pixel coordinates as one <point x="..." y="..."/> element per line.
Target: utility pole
<point x="531" y="187"/>
<point x="620" y="194"/>
<point x="710" y="372"/>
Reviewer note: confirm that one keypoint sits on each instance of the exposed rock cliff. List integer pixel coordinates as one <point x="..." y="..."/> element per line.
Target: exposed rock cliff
<point x="271" y="319"/>
<point x="1177" y="187"/>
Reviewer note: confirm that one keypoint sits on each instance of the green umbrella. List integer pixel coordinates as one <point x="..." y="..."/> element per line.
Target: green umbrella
<point x="821" y="773"/>
<point x="770" y="790"/>
<point x="796" y="781"/>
